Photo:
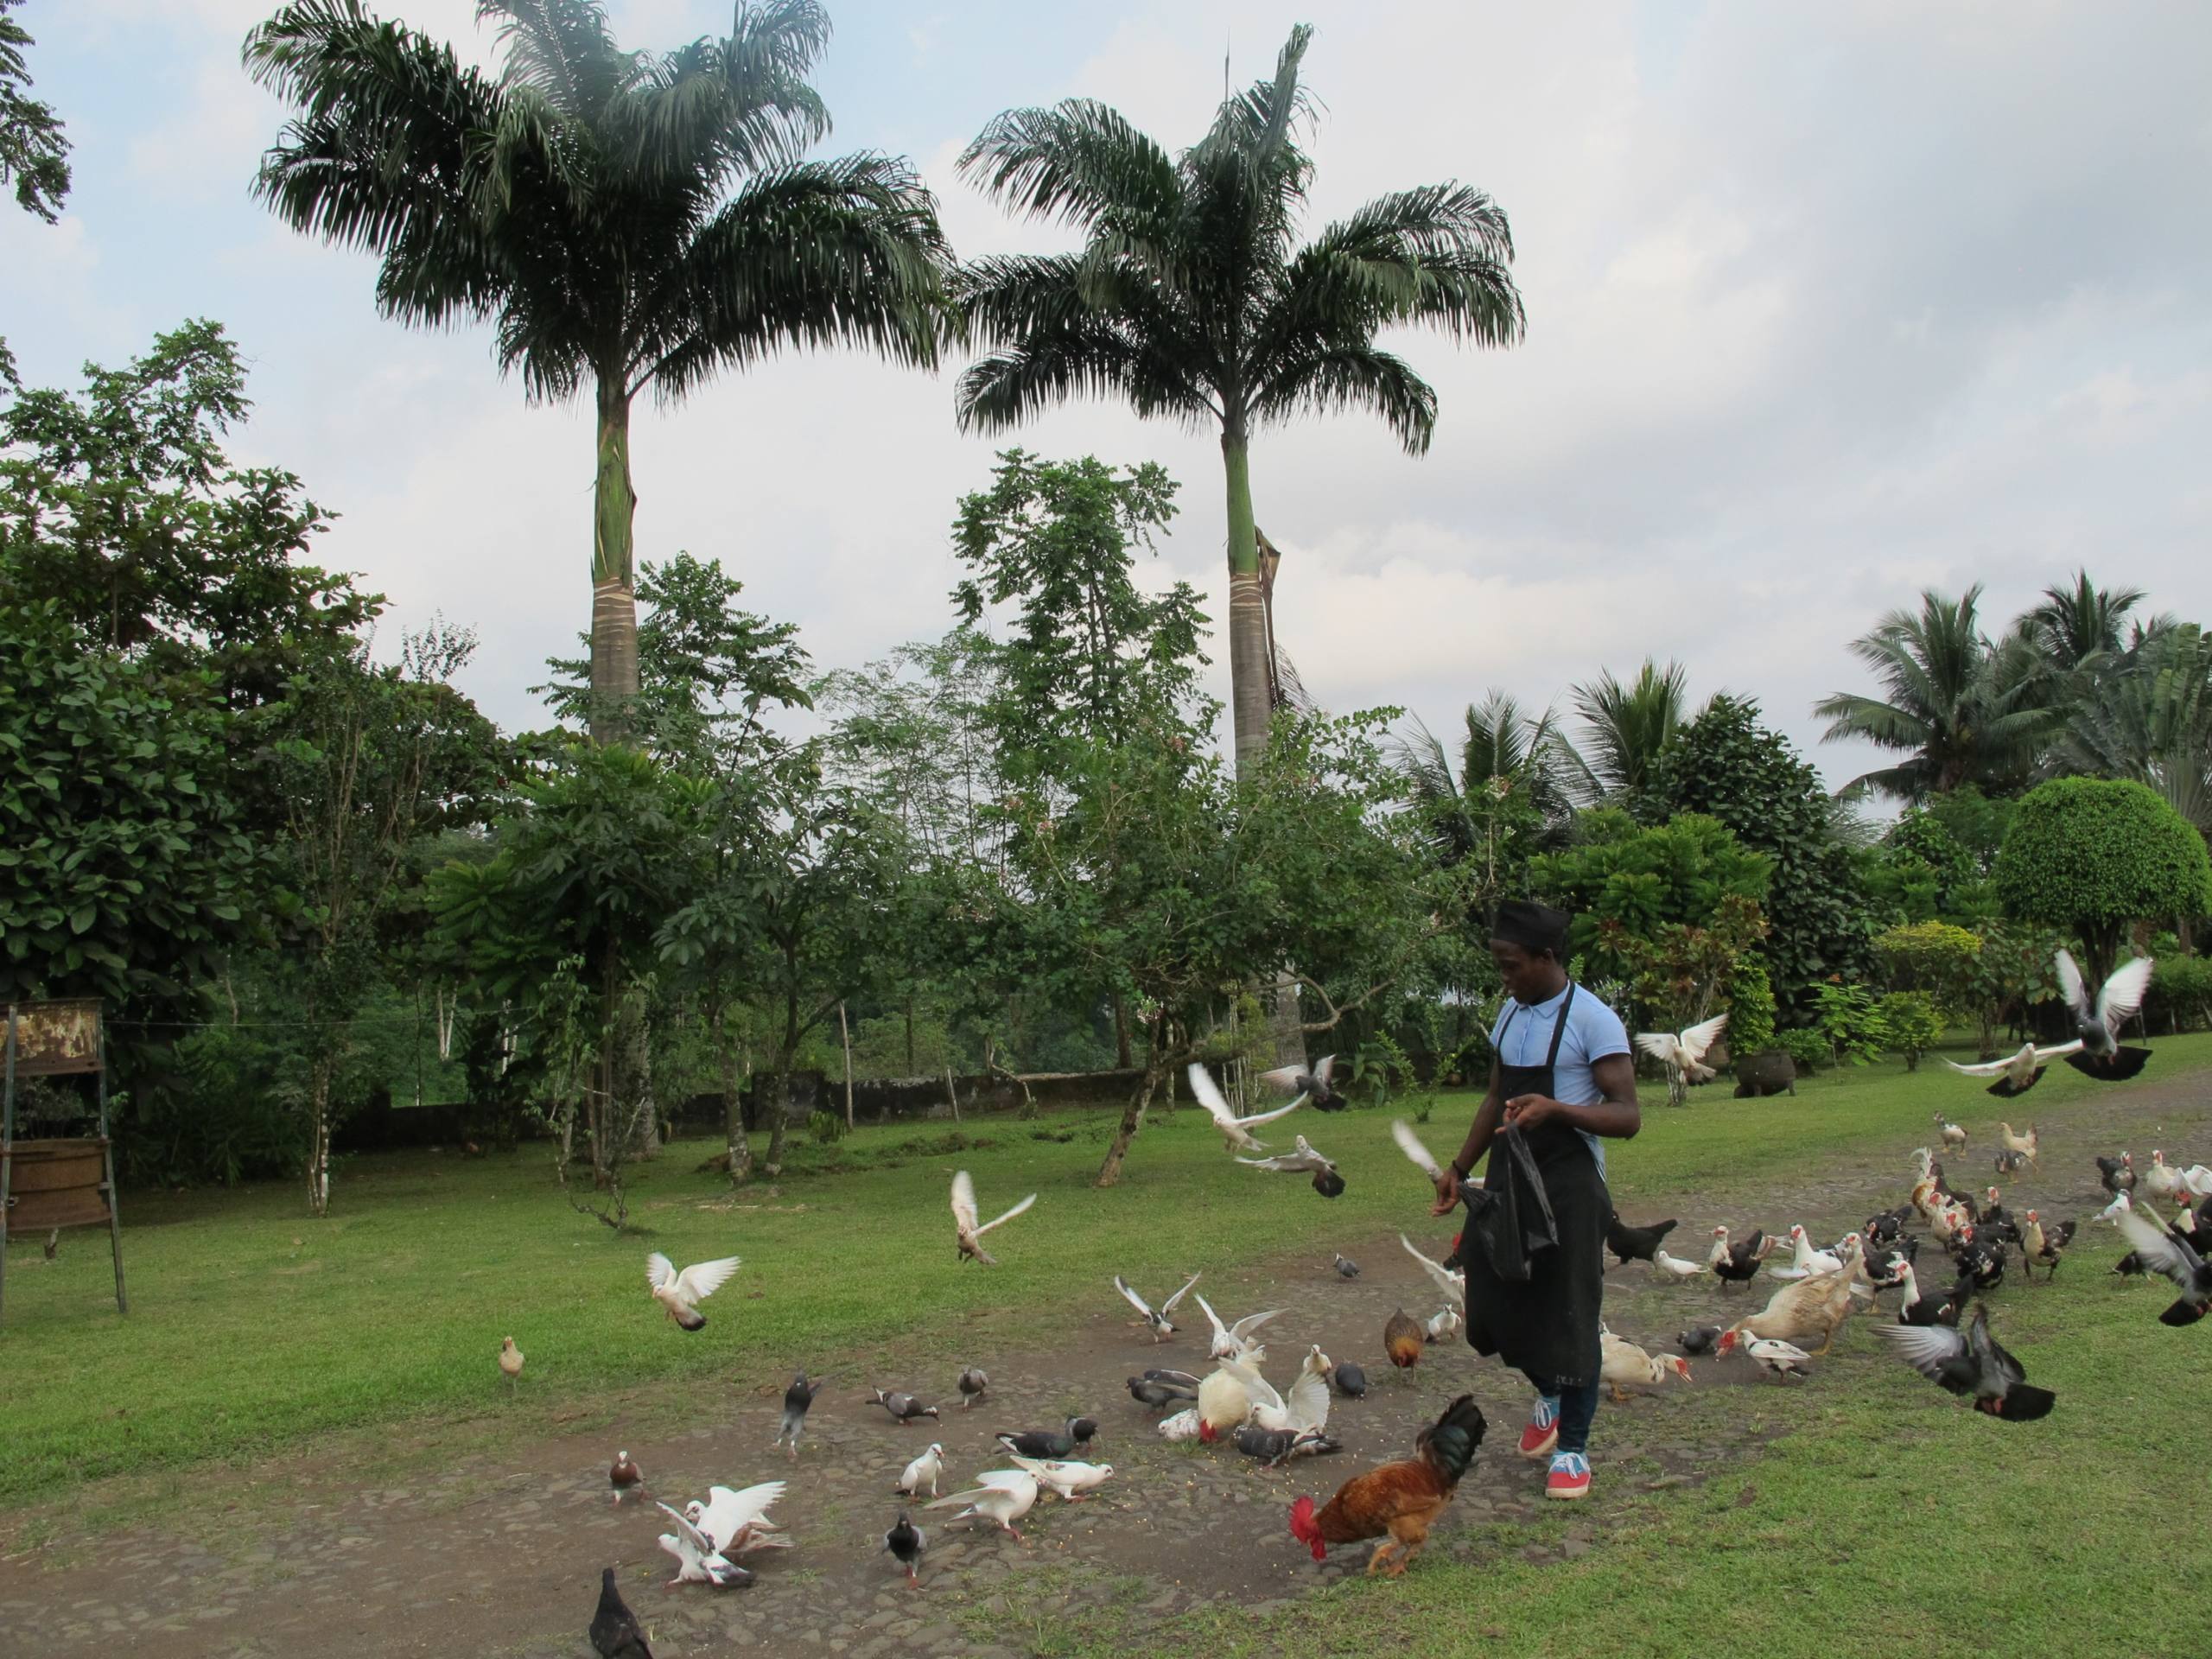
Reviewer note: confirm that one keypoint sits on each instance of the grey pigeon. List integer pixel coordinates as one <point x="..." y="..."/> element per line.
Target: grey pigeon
<point x="905" y="1407"/>
<point x="797" y="1399"/>
<point x="1346" y="1268"/>
<point x="973" y="1382"/>
<point x="905" y="1541"/>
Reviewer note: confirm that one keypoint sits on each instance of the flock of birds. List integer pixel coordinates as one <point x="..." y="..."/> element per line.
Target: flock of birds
<point x="1944" y="1336"/>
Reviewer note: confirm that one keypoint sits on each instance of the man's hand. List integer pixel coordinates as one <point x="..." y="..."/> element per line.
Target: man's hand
<point x="1447" y="1193"/>
<point x="1529" y="1112"/>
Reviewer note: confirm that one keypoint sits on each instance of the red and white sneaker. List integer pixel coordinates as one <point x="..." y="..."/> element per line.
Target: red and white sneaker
<point x="1570" y="1477"/>
<point x="1542" y="1432"/>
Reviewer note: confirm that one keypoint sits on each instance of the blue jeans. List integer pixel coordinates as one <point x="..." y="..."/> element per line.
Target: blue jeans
<point x="1578" y="1407"/>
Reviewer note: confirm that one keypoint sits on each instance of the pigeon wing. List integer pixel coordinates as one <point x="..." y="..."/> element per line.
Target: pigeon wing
<point x="1220" y="1330"/>
<point x="1325" y="1070"/>
<point x="1699" y="1038"/>
<point x="1203" y="1091"/>
<point x="2123" y="994"/>
<point x="1262" y="1391"/>
<point x="1131" y="1297"/>
<point x="1308" y="1403"/>
<point x="963" y="1200"/>
<point x="1660" y="1045"/>
<point x="2069" y="983"/>
<point x="1251" y="1322"/>
<point x="2045" y="1056"/>
<point x="2160" y="1250"/>
<point x="1258" y="1118"/>
<point x="1009" y="1216"/>
<point x="1447" y="1281"/>
<point x="1168" y="1306"/>
<point x="1991" y="1068"/>
<point x="660" y="1272"/>
<point x="1409" y="1143"/>
<point x="1284" y="1076"/>
<point x="703" y="1279"/>
<point x="1926" y="1348"/>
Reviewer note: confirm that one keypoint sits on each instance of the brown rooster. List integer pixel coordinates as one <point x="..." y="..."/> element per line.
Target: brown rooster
<point x="1401" y="1500"/>
<point x="1403" y="1338"/>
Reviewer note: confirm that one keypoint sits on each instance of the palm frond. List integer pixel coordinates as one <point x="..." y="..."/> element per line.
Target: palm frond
<point x="1354" y="377"/>
<point x="561" y="48"/>
<point x="1078" y="161"/>
<point x="1625" y="726"/>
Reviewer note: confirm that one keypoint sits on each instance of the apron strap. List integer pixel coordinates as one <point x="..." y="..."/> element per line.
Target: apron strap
<point x="1559" y="1030"/>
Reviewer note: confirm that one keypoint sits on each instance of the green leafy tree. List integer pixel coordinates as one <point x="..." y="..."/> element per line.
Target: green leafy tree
<point x="626" y="221"/>
<point x="1624" y="881"/>
<point x="1509" y="797"/>
<point x="1943" y="960"/>
<point x="1727" y="766"/>
<point x="1960" y="707"/>
<point x="1192" y="300"/>
<point x="1910" y="1023"/>
<point x="2095" y="856"/>
<point x="33" y="155"/>
<point x="1849" y="1020"/>
<point x="124" y="863"/>
<point x="1751" y="1005"/>
<point x="1625" y="729"/>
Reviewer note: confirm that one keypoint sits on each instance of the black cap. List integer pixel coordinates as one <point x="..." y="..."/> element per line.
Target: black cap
<point x="1535" y="928"/>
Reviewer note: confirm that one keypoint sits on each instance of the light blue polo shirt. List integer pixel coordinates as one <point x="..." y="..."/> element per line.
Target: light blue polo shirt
<point x="1594" y="1032"/>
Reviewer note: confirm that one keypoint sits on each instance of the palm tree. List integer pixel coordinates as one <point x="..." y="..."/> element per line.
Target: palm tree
<point x="625" y="220"/>
<point x="1191" y="299"/>
<point x="2149" y="717"/>
<point x="1507" y="755"/>
<point x="2077" y="625"/>
<point x="1961" y="706"/>
<point x="1624" y="727"/>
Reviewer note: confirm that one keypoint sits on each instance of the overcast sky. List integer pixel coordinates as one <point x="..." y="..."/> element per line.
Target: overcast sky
<point x="1826" y="305"/>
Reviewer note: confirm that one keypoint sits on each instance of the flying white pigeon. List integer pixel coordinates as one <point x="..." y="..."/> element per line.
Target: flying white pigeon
<point x="682" y="1293"/>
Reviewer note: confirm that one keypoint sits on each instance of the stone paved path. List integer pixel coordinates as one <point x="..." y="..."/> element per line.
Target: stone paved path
<point x="502" y="1559"/>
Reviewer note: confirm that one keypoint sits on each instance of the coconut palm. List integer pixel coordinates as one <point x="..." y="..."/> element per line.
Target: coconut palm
<point x="1624" y="727"/>
<point x="1505" y="753"/>
<point x="1961" y="708"/>
<point x="2148" y="717"/>
<point x="625" y="220"/>
<point x="2076" y="626"/>
<point x="1191" y="299"/>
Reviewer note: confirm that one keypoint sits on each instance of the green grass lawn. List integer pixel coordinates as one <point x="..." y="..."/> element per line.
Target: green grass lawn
<point x="255" y="1330"/>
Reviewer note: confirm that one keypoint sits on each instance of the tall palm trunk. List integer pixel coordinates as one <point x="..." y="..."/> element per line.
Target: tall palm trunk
<point x="1251" y="704"/>
<point x="613" y="597"/>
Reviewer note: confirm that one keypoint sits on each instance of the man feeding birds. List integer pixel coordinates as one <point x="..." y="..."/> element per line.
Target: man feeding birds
<point x="1561" y="1082"/>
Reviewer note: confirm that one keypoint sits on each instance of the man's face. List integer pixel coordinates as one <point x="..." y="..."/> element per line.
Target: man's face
<point x="1528" y="979"/>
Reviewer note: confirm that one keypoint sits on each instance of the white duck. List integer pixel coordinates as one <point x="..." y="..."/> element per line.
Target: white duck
<point x="964" y="1219"/>
<point x="2162" y="1180"/>
<point x="999" y="1495"/>
<point x="1235" y="1131"/>
<point x="680" y="1293"/>
<point x="2120" y="1205"/>
<point x="923" y="1471"/>
<point x="1064" y="1480"/>
<point x="1234" y="1341"/>
<point x="697" y="1561"/>
<point x="1804" y="1260"/>
<point x="1622" y="1364"/>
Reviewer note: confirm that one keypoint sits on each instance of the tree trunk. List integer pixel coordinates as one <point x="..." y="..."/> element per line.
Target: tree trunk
<point x="910" y="1034"/>
<point x="1122" y="1057"/>
<point x="740" y="1150"/>
<point x="1132" y="1117"/>
<point x="786" y="1055"/>
<point x="951" y="1088"/>
<point x="845" y="1032"/>
<point x="319" y="1145"/>
<point x="613" y="597"/>
<point x="1248" y="623"/>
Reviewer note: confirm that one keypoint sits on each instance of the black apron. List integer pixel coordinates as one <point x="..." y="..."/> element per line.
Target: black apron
<point x="1546" y="1324"/>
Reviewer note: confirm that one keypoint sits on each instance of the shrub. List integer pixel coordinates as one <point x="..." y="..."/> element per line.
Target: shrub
<point x="1850" y="1020"/>
<point x="1935" y="958"/>
<point x="1750" y="1005"/>
<point x="1808" y="1048"/>
<point x="2094" y="856"/>
<point x="1380" y="1068"/>
<point x="2181" y="991"/>
<point x="1911" y="1023"/>
<point x="827" y="1128"/>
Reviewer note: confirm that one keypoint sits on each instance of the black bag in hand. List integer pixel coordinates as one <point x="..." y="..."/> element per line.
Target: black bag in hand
<point x="1509" y="1215"/>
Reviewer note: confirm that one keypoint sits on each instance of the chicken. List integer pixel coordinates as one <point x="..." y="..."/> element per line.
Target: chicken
<point x="1622" y="1364"/>
<point x="2015" y="1073"/>
<point x="1811" y="1310"/>
<point x="1403" y="1339"/>
<point x="1635" y="1244"/>
<point x="1401" y="1500"/>
<point x="1225" y="1405"/>
<point x="1972" y="1365"/>
<point x="2029" y="1146"/>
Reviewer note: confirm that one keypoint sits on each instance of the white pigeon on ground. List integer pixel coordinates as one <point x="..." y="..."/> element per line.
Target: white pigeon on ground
<point x="963" y="1219"/>
<point x="923" y="1471"/>
<point x="1234" y="1341"/>
<point x="1156" y="1318"/>
<point x="1664" y="1266"/>
<point x="2015" y="1073"/>
<point x="738" y="1521"/>
<point x="999" y="1495"/>
<point x="1065" y="1479"/>
<point x="697" y="1561"/>
<point x="1235" y="1130"/>
<point x="1683" y="1051"/>
<point x="682" y="1293"/>
<point x="1453" y="1285"/>
<point x="1444" y="1322"/>
<point x="1181" y="1426"/>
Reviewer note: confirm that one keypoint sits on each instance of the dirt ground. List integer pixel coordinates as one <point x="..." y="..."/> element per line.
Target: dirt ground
<point x="502" y="1557"/>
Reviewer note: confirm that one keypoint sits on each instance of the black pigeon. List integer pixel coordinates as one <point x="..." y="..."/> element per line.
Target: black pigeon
<point x="973" y="1382"/>
<point x="797" y="1399"/>
<point x="1046" y="1443"/>
<point x="1634" y="1244"/>
<point x="2102" y="1055"/>
<point x="905" y="1541"/>
<point x="903" y="1407"/>
<point x="1315" y="1084"/>
<point x="1346" y="1268"/>
<point x="1350" y="1381"/>
<point x="1697" y="1339"/>
<point x="615" y="1633"/>
<point x="1146" y="1391"/>
<point x="1972" y="1366"/>
<point x="1276" y="1447"/>
<point x="2170" y="1253"/>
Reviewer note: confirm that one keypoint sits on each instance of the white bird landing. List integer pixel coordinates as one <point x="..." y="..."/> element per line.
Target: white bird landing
<point x="1683" y="1052"/>
<point x="1302" y="1159"/>
<point x="1156" y="1318"/>
<point x="1672" y="1267"/>
<point x="2016" y="1073"/>
<point x="1235" y="1131"/>
<point x="964" y="1219"/>
<point x="1000" y="1495"/>
<point x="1234" y="1341"/>
<point x="735" y="1521"/>
<point x="682" y="1293"/>
<point x="697" y="1561"/>
<point x="1305" y="1407"/>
